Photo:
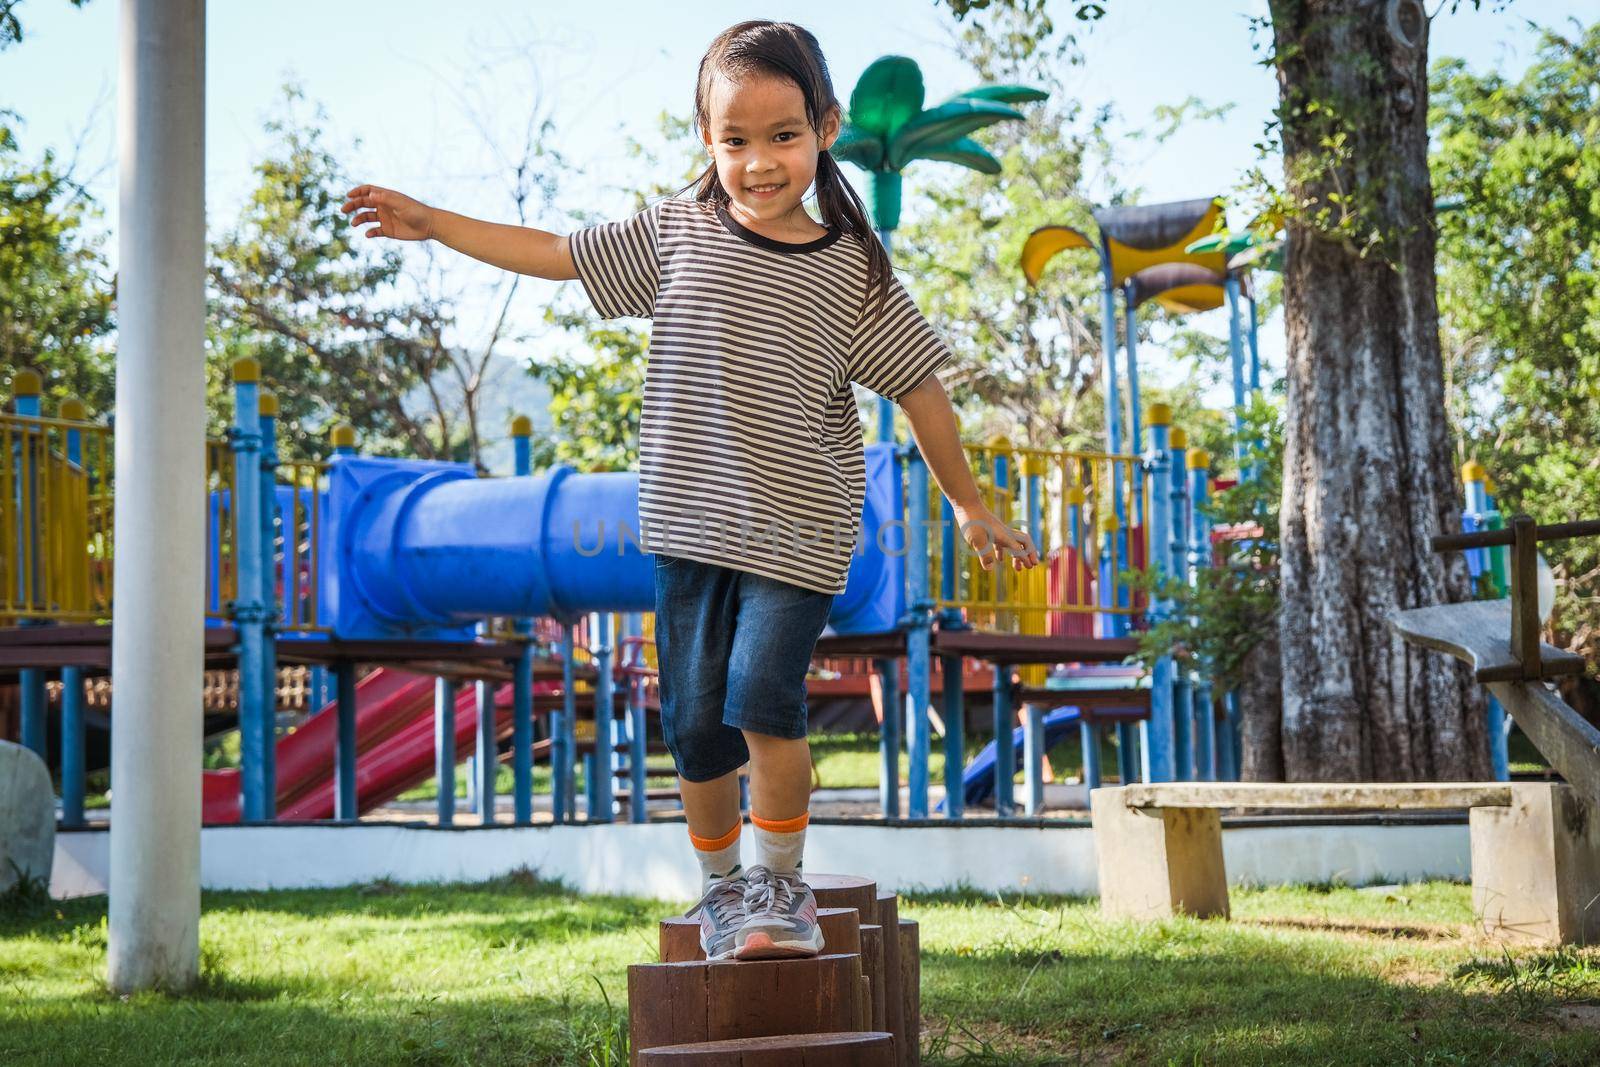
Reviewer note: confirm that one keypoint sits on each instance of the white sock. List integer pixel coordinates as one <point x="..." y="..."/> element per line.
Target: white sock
<point x="780" y="844"/>
<point x="718" y="857"/>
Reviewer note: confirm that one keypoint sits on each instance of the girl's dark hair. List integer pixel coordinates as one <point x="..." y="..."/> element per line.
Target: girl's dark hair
<point x="787" y="51"/>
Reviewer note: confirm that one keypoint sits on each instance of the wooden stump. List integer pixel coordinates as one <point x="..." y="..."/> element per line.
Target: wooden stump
<point x="846" y="891"/>
<point x="680" y="936"/>
<point x="684" y="1003"/>
<point x="889" y="920"/>
<point x="790" y="1050"/>
<point x="908" y="1041"/>
<point x="872" y="966"/>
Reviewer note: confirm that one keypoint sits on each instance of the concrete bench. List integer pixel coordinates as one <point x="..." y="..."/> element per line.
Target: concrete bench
<point x="1535" y="847"/>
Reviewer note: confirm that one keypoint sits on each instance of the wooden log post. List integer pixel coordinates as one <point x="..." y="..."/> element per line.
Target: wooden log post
<point x="680" y="936"/>
<point x="908" y="1041"/>
<point x="790" y="1050"/>
<point x="872" y="965"/>
<point x="685" y="1003"/>
<point x="846" y="891"/>
<point x="889" y="921"/>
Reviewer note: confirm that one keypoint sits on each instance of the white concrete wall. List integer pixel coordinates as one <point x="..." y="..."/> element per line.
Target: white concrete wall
<point x="654" y="859"/>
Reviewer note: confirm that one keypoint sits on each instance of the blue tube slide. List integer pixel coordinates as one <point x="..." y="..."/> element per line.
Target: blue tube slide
<point x="416" y="549"/>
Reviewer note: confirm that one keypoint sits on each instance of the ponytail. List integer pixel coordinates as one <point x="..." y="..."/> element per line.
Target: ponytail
<point x="842" y="207"/>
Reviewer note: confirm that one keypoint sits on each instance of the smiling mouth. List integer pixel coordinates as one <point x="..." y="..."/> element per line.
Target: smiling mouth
<point x="765" y="188"/>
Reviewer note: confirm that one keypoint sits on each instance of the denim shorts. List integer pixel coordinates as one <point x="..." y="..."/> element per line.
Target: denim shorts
<point x="733" y="648"/>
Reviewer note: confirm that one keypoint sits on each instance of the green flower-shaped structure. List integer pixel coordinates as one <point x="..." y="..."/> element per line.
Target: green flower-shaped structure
<point x="887" y="128"/>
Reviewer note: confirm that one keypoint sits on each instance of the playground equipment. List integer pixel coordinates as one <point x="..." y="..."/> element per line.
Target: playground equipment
<point x="424" y="567"/>
<point x="860" y="1004"/>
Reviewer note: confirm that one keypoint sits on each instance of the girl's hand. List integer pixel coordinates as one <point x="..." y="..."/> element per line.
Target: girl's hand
<point x="396" y="214"/>
<point x="984" y="531"/>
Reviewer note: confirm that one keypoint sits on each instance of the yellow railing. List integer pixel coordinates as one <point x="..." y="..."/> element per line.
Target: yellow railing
<point x="1083" y="500"/>
<point x="296" y="551"/>
<point x="222" y="572"/>
<point x="55" y="519"/>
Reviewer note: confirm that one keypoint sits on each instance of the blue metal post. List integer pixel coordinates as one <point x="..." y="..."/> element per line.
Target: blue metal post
<point x="346" y="804"/>
<point x="1033" y="759"/>
<point x="889" y="737"/>
<point x="885" y="405"/>
<point x="563" y="733"/>
<point x="72" y="756"/>
<point x="522" y="675"/>
<point x="1200" y="554"/>
<point x="1005" y="757"/>
<point x="919" y="660"/>
<point x="1227" y="743"/>
<point x="1130" y="318"/>
<point x="1116" y="626"/>
<point x="950" y="546"/>
<point x="1178" y="564"/>
<point x="1089" y="738"/>
<point x="1158" y="740"/>
<point x="249" y="611"/>
<point x="1255" y="346"/>
<point x="34" y="729"/>
<point x="955" y="712"/>
<point x="486" y="752"/>
<point x="1236" y="359"/>
<point x="1127" y="752"/>
<point x="638" y="737"/>
<point x="444" y="747"/>
<point x="267" y="408"/>
<point x="601" y="791"/>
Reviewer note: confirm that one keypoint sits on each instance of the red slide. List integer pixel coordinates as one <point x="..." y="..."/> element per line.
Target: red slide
<point x="394" y="749"/>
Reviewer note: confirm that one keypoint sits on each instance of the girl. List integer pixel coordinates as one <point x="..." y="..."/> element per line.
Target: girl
<point x="751" y="470"/>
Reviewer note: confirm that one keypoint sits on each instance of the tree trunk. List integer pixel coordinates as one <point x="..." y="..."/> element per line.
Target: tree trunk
<point x="1368" y="476"/>
<point x="1261" y="712"/>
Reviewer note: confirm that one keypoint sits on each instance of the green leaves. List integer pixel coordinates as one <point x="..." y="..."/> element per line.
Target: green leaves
<point x="1003" y="94"/>
<point x="965" y="151"/>
<point x="943" y="125"/>
<point x="888" y="127"/>
<point x="889" y="93"/>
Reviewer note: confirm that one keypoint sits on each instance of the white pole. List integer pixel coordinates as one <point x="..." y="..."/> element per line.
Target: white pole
<point x="160" y="499"/>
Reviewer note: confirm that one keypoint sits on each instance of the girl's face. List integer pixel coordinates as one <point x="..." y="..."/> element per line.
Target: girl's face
<point x="765" y="151"/>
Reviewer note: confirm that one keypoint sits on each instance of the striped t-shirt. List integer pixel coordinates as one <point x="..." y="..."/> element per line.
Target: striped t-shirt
<point x="750" y="446"/>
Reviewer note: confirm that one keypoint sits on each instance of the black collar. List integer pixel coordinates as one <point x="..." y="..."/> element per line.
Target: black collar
<point x="745" y="233"/>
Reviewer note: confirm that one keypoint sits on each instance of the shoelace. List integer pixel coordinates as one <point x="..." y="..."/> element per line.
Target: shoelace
<point x="766" y="891"/>
<point x="720" y="900"/>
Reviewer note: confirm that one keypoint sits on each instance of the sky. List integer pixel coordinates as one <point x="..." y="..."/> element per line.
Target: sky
<point x="436" y="94"/>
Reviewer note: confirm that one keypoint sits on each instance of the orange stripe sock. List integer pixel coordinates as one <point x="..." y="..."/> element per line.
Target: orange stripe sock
<point x="715" y="844"/>
<point x="782" y="826"/>
<point x="780" y="843"/>
<point x="718" y="856"/>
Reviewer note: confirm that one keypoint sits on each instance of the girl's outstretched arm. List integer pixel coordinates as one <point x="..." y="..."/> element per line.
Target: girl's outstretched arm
<point x="933" y="424"/>
<point x="518" y="248"/>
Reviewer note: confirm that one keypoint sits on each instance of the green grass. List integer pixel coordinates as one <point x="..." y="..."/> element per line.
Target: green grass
<point x="520" y="972"/>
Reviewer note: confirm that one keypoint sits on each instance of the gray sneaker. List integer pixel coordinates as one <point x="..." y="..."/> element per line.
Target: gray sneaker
<point x="782" y="918"/>
<point x="721" y="912"/>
